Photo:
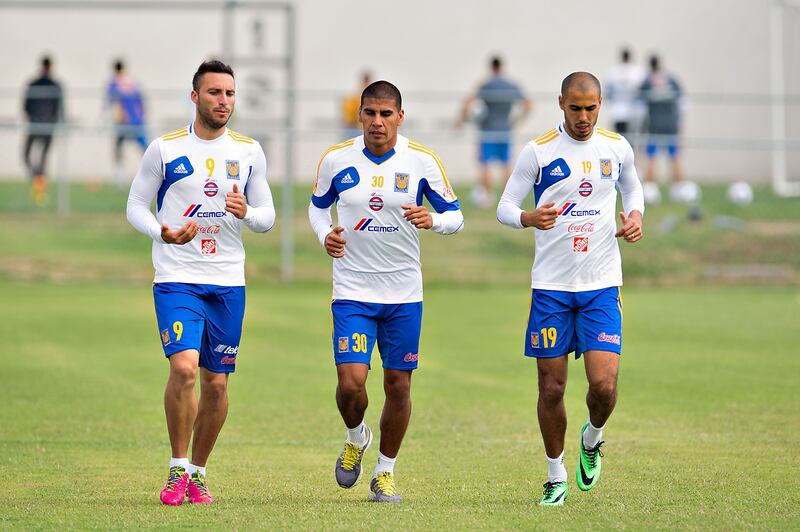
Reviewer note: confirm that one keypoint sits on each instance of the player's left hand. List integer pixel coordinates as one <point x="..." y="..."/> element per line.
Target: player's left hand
<point x="631" y="229"/>
<point x="418" y="215"/>
<point x="235" y="202"/>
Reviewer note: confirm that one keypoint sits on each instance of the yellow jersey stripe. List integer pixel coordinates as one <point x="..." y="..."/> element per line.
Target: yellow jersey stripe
<point x="178" y="133"/>
<point x="239" y="135"/>
<point x="545" y="135"/>
<point x="545" y="141"/>
<point x="423" y="149"/>
<point x="240" y="138"/>
<point x="344" y="144"/>
<point x="613" y="137"/>
<point x="174" y="137"/>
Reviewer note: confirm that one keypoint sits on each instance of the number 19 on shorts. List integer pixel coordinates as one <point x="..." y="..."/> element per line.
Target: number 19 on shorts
<point x="549" y="336"/>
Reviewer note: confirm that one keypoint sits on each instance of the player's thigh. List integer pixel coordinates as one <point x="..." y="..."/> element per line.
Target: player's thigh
<point x="223" y="307"/>
<point x="551" y="324"/>
<point x="354" y="330"/>
<point x="599" y="321"/>
<point x="398" y="335"/>
<point x="180" y="323"/>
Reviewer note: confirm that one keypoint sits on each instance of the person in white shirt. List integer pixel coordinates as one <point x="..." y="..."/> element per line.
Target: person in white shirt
<point x="378" y="181"/>
<point x="622" y="85"/>
<point x="574" y="171"/>
<point x="207" y="182"/>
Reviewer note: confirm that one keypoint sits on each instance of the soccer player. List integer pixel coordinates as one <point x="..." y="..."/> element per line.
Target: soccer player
<point x="125" y="99"/>
<point x="208" y="182"/>
<point x="495" y="100"/>
<point x="378" y="181"/>
<point x="574" y="171"/>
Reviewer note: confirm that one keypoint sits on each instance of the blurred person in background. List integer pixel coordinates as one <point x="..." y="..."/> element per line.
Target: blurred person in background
<point x="490" y="107"/>
<point x="621" y="90"/>
<point x="44" y="109"/>
<point x="127" y="108"/>
<point x="351" y="106"/>
<point x="662" y="95"/>
<point x="574" y="171"/>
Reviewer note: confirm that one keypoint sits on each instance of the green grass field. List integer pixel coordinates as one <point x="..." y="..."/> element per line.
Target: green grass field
<point x="704" y="435"/>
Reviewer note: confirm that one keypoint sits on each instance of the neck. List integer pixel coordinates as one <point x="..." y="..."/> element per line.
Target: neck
<point x="380" y="151"/>
<point x="204" y="132"/>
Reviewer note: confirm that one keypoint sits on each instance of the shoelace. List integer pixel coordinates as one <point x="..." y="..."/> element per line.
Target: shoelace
<point x="385" y="483"/>
<point x="200" y="482"/>
<point x="175" y="476"/>
<point x="350" y="456"/>
<point x="591" y="454"/>
<point x="549" y="488"/>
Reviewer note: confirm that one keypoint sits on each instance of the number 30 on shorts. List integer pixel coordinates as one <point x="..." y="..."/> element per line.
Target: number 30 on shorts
<point x="359" y="343"/>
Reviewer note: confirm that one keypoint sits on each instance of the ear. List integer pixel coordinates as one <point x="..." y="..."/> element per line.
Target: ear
<point x="400" y="116"/>
<point x="194" y="96"/>
<point x="561" y="102"/>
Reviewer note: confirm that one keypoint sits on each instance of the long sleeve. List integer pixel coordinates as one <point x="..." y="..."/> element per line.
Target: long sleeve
<point x="143" y="191"/>
<point x="321" y="221"/>
<point x="519" y="185"/>
<point x="260" y="215"/>
<point x="447" y="222"/>
<point x="629" y="186"/>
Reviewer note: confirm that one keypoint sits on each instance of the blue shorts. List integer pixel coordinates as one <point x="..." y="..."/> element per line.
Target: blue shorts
<point x="356" y="326"/>
<point x="661" y="142"/>
<point x="495" y="151"/>
<point x="204" y="317"/>
<point x="562" y="322"/>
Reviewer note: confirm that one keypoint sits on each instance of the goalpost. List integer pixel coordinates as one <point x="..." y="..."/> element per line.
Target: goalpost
<point x="260" y="58"/>
<point x="781" y="183"/>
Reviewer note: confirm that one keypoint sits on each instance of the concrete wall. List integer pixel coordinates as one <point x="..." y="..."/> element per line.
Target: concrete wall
<point x="435" y="51"/>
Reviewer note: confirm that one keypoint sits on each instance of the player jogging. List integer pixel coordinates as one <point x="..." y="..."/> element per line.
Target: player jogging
<point x="378" y="181"/>
<point x="207" y="182"/>
<point x="574" y="171"/>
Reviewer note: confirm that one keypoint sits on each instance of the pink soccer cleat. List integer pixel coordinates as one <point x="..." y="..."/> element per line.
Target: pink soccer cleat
<point x="175" y="490"/>
<point x="198" y="489"/>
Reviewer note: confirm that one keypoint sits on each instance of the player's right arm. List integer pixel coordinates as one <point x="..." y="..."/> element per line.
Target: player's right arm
<point x="519" y="185"/>
<point x="143" y="191"/>
<point x="323" y="197"/>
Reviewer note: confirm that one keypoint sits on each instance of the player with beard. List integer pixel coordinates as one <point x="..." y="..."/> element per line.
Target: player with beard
<point x="208" y="182"/>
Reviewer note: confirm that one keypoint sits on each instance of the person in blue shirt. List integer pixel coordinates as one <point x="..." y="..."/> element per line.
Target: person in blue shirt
<point x="127" y="106"/>
<point x="490" y="107"/>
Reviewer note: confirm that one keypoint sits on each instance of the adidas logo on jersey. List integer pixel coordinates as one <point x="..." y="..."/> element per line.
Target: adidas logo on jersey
<point x="181" y="169"/>
<point x="557" y="172"/>
<point x="347" y="180"/>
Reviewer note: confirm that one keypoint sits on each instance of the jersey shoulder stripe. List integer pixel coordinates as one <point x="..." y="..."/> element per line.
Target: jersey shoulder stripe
<point x="547" y="137"/>
<point x="240" y="138"/>
<point x="420" y="148"/>
<point x="339" y="146"/>
<point x="609" y="134"/>
<point x="176" y="134"/>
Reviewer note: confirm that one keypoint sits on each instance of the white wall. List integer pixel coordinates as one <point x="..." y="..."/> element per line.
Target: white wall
<point x="435" y="51"/>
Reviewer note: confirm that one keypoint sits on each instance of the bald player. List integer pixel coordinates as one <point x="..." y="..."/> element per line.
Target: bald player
<point x="574" y="171"/>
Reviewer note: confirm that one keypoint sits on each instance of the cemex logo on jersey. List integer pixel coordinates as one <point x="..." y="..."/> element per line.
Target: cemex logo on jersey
<point x="580" y="244"/>
<point x="208" y="246"/>
<point x="194" y="210"/>
<point x="609" y="338"/>
<point x="585" y="188"/>
<point x="375" y="203"/>
<point x="569" y="210"/>
<point x="210" y="189"/>
<point x="364" y="225"/>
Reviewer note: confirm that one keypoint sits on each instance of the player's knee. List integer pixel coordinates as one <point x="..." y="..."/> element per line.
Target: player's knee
<point x="215" y="389"/>
<point x="604" y="390"/>
<point x="397" y="389"/>
<point x="183" y="375"/>
<point x="551" y="391"/>
<point x="349" y="387"/>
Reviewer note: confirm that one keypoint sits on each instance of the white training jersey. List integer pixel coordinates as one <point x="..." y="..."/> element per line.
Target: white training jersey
<point x="188" y="178"/>
<point x="382" y="257"/>
<point x="580" y="252"/>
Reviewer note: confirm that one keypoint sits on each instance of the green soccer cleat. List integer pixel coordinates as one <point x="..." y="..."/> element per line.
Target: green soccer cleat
<point x="555" y="493"/>
<point x="589" y="465"/>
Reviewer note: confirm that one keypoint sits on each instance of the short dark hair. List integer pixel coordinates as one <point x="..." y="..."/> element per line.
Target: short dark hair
<point x="46" y="62"/>
<point x="655" y="63"/>
<point x="496" y="63"/>
<point x="584" y="80"/>
<point x="215" y="66"/>
<point x="626" y="55"/>
<point x="382" y="90"/>
<point x="119" y="66"/>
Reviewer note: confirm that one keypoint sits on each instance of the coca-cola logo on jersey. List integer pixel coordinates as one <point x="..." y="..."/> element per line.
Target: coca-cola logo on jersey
<point x="209" y="229"/>
<point x="586" y="227"/>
